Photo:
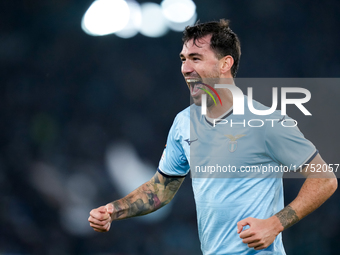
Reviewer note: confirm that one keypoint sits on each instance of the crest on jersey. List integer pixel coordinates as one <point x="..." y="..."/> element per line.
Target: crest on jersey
<point x="232" y="144"/>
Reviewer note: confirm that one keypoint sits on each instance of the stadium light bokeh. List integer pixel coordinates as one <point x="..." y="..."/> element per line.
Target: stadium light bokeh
<point x="105" y="17"/>
<point x="179" y="27"/>
<point x="134" y="23"/>
<point x="153" y="21"/>
<point x="127" y="18"/>
<point x="178" y="11"/>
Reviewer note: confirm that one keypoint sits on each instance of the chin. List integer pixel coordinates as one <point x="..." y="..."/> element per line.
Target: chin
<point x="197" y="101"/>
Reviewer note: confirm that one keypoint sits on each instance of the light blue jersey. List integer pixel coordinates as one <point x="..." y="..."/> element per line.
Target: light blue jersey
<point x="229" y="160"/>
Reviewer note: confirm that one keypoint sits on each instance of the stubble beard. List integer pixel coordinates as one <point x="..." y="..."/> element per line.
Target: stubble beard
<point x="214" y="76"/>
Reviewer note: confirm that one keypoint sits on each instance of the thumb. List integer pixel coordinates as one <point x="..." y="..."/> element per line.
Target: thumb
<point x="242" y="223"/>
<point x="102" y="209"/>
<point x="109" y="208"/>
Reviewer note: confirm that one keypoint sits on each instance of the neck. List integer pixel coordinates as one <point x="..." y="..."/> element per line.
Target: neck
<point x="226" y="96"/>
<point x="216" y="111"/>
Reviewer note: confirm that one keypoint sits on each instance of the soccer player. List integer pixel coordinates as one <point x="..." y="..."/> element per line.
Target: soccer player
<point x="241" y="215"/>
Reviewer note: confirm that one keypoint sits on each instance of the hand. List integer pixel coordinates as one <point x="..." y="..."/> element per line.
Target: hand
<point x="261" y="233"/>
<point x="100" y="218"/>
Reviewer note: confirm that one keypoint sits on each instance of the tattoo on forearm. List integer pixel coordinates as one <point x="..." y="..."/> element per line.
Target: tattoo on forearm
<point x="156" y="179"/>
<point x="147" y="198"/>
<point x="118" y="209"/>
<point x="287" y="217"/>
<point x="140" y="207"/>
<point x="137" y="207"/>
<point x="173" y="183"/>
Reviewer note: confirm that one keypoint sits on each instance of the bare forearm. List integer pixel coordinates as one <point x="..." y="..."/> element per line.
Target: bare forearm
<point x="149" y="197"/>
<point x="135" y="204"/>
<point x="313" y="193"/>
<point x="287" y="217"/>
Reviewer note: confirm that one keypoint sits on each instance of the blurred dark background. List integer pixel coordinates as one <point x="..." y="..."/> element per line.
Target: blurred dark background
<point x="67" y="97"/>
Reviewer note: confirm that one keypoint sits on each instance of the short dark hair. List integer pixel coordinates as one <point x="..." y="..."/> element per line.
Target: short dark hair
<point x="223" y="42"/>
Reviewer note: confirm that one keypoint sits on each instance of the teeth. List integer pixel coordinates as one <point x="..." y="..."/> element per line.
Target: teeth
<point x="193" y="80"/>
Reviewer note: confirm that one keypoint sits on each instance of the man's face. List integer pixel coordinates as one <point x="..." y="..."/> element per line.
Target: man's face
<point x="198" y="63"/>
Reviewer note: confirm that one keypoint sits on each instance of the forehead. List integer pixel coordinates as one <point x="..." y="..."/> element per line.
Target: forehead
<point x="201" y="46"/>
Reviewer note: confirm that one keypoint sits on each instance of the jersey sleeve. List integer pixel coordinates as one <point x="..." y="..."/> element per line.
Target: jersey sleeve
<point x="288" y="146"/>
<point x="173" y="161"/>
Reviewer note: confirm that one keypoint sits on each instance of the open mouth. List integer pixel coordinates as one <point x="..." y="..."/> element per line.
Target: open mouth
<point x="195" y="85"/>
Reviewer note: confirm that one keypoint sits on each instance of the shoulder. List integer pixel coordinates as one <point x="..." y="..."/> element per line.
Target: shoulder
<point x="181" y="124"/>
<point x="183" y="115"/>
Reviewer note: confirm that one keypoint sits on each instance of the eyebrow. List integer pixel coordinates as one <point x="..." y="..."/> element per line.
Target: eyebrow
<point x="191" y="55"/>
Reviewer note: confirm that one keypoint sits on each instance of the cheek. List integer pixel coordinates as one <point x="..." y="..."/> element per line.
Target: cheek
<point x="208" y="69"/>
<point x="214" y="71"/>
<point x="200" y="70"/>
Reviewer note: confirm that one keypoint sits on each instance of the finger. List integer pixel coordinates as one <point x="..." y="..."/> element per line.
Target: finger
<point x="256" y="243"/>
<point x="246" y="233"/>
<point x="100" y="214"/>
<point x="260" y="247"/>
<point x="102" y="209"/>
<point x="109" y="208"/>
<point x="241" y="224"/>
<point x="250" y="240"/>
<point x="98" y="227"/>
<point x="98" y="222"/>
<point x="96" y="212"/>
<point x="107" y="226"/>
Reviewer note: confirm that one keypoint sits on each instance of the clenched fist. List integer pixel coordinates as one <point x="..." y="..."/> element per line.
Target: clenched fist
<point x="261" y="233"/>
<point x="100" y="218"/>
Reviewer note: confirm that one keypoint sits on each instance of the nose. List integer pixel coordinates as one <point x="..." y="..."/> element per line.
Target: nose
<point x="187" y="68"/>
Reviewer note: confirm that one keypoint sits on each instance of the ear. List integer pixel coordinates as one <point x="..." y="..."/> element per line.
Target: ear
<point x="226" y="63"/>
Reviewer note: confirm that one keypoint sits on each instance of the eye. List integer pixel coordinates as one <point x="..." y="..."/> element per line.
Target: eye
<point x="196" y="59"/>
<point x="182" y="59"/>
